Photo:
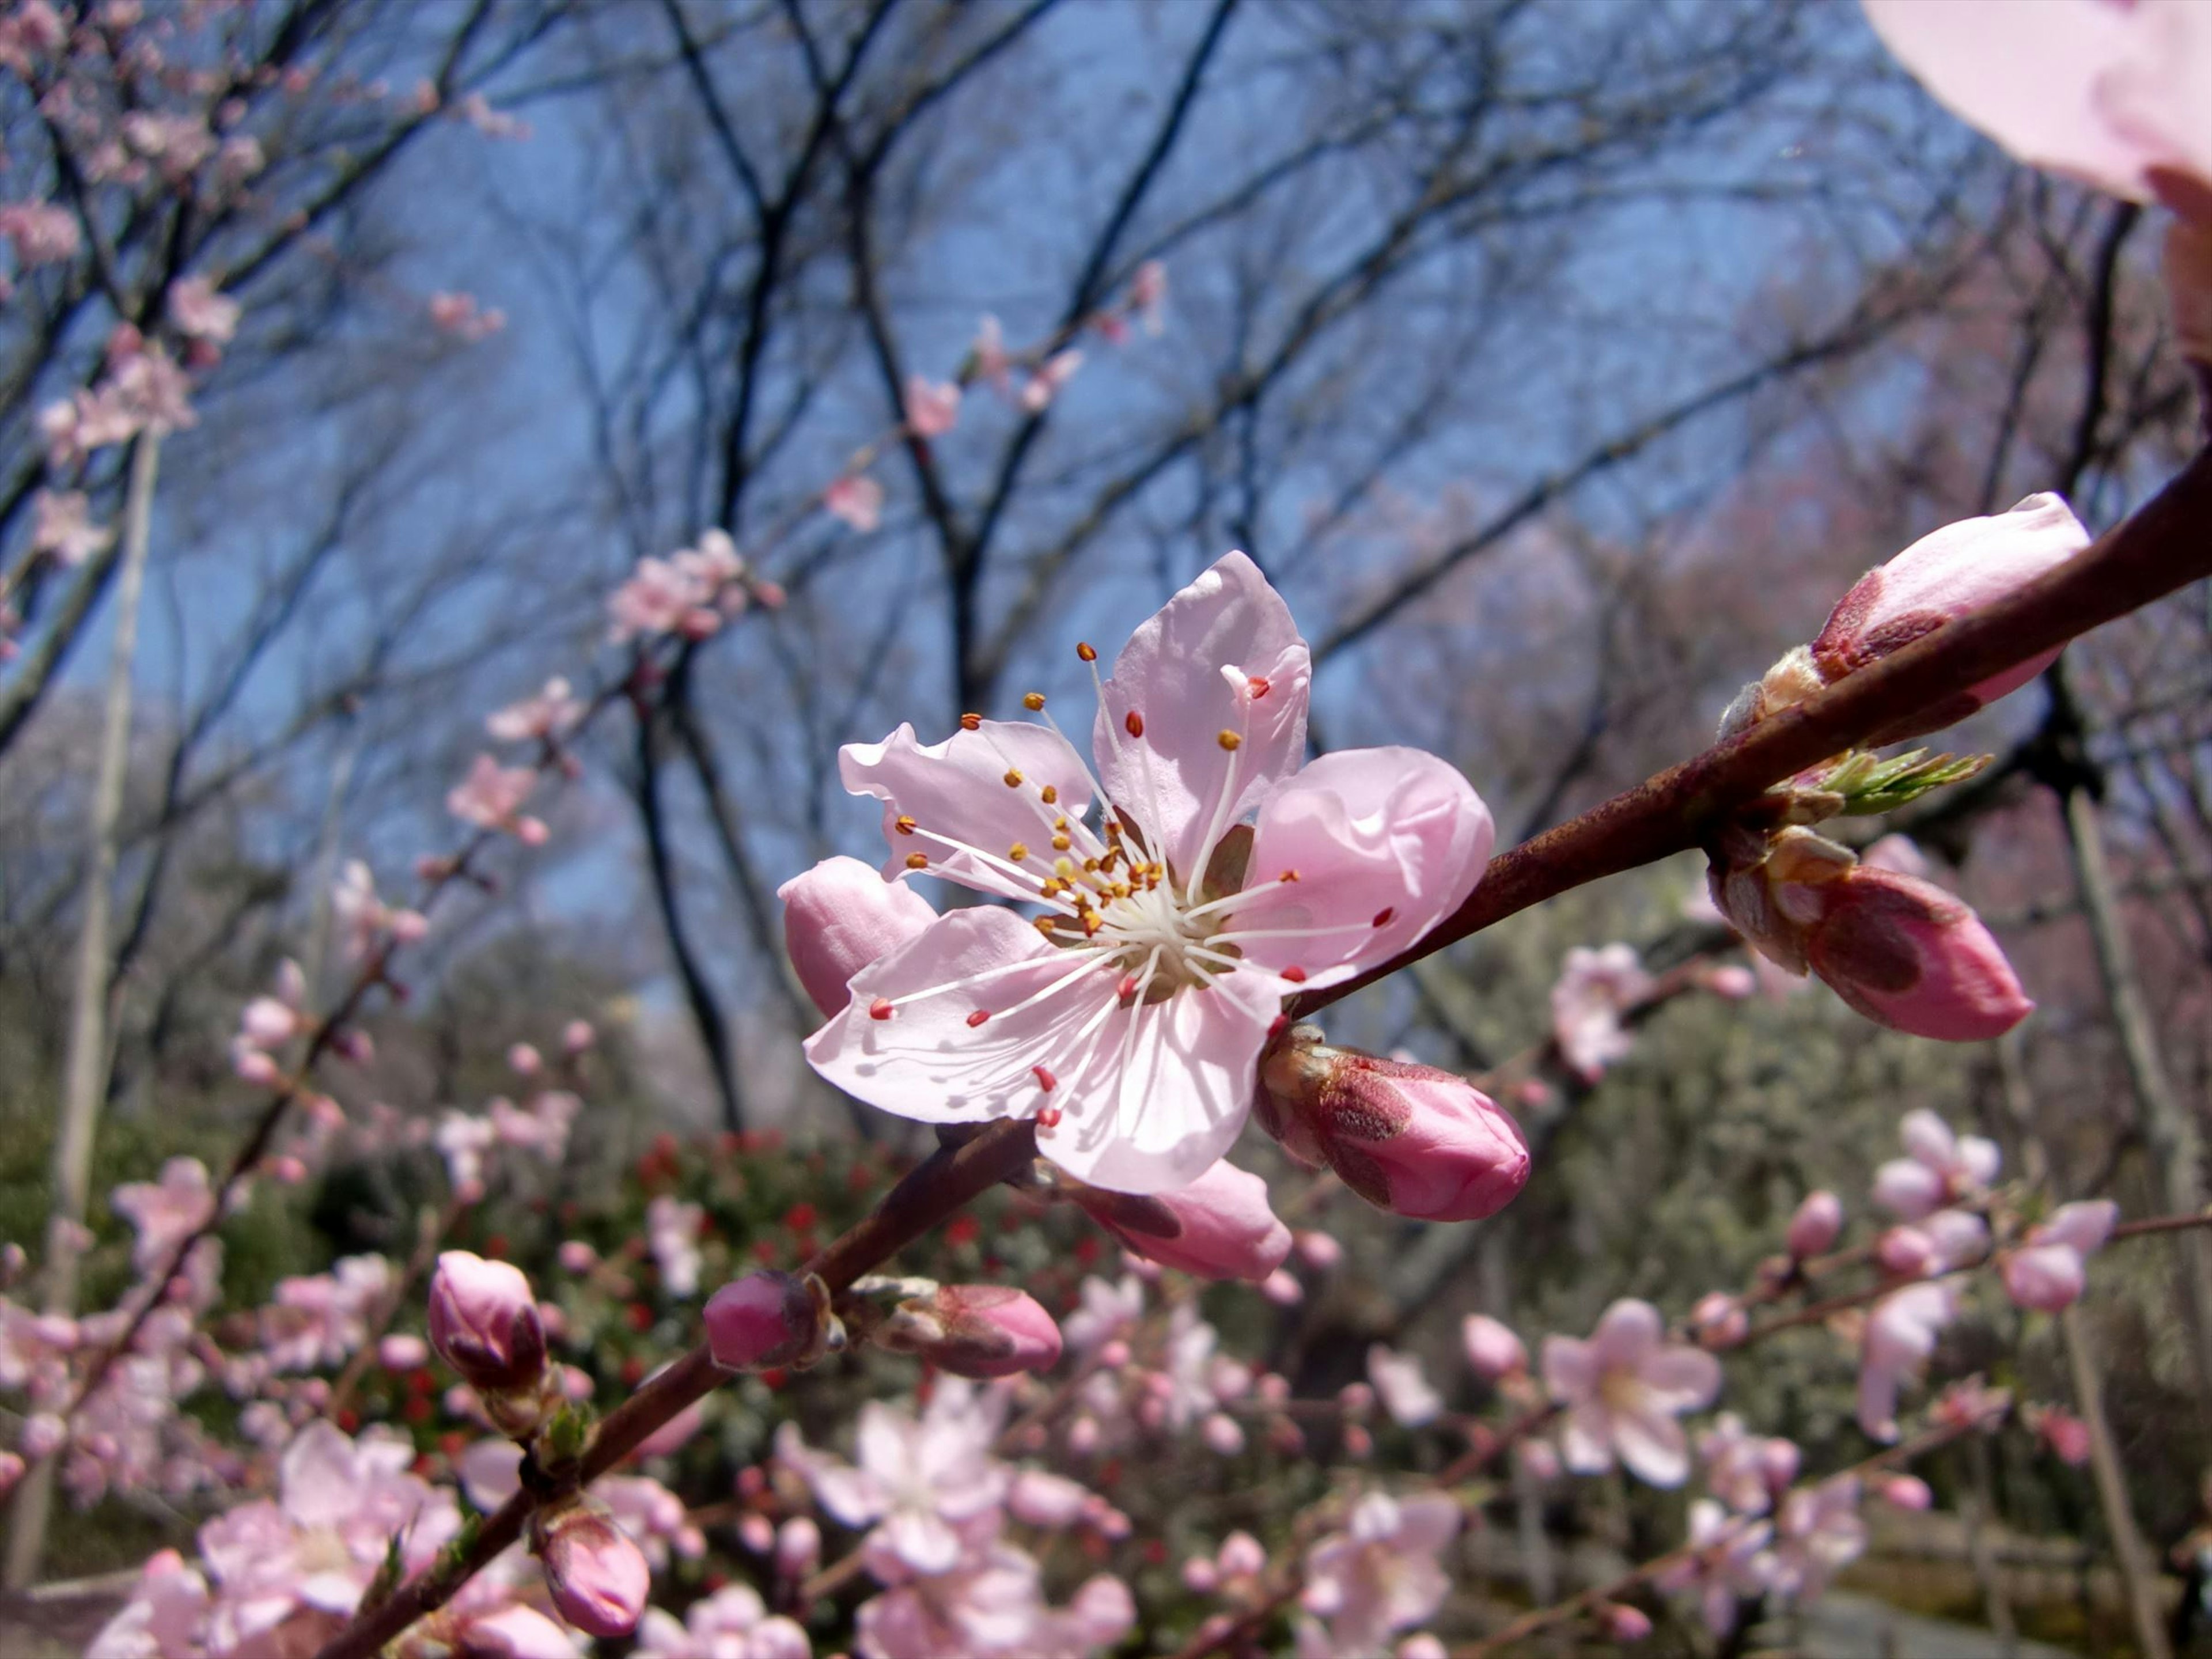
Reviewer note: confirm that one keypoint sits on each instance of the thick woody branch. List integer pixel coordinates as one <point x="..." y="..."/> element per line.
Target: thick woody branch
<point x="2165" y="547"/>
<point x="941" y="1185"/>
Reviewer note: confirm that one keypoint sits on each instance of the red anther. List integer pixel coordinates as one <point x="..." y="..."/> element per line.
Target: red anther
<point x="1049" y="1118"/>
<point x="1383" y="916"/>
<point x="880" y="1008"/>
<point x="1294" y="974"/>
<point x="1133" y="723"/>
<point x="1259" y="684"/>
<point x="971" y="722"/>
<point x="1046" y="1080"/>
<point x="1127" y="987"/>
<point x="1277" y="1026"/>
<point x="979" y="1016"/>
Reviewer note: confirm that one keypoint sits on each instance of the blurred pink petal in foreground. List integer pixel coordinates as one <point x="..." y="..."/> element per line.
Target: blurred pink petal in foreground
<point x="2116" y="93"/>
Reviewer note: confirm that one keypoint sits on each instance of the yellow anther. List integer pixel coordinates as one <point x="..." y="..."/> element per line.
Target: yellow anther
<point x="1044" y="925"/>
<point x="1085" y="650"/>
<point x="971" y="722"/>
<point x="1048" y="794"/>
<point x="1033" y="701"/>
<point x="1230" y="741"/>
<point x="1091" y="866"/>
<point x="1013" y="779"/>
<point x="1018" y="851"/>
<point x="903" y="824"/>
<point x="1060" y="844"/>
<point x="917" y="860"/>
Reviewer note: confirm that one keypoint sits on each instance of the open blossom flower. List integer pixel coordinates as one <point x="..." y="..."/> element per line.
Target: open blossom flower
<point x="1730" y="1563"/>
<point x="1594" y="989"/>
<point x="857" y="499"/>
<point x="1943" y="1168"/>
<point x="461" y="316"/>
<point x="62" y="527"/>
<point x="2047" y="1272"/>
<point x="40" y="233"/>
<point x="1128" y="1017"/>
<point x="1817" y="1534"/>
<point x="319" y="1320"/>
<point x="553" y="713"/>
<point x="1044" y="384"/>
<point x="916" y="1480"/>
<point x="932" y="407"/>
<point x="1106" y="1312"/>
<point x="201" y="314"/>
<point x="492" y="797"/>
<point x="1746" y="1471"/>
<point x="364" y="920"/>
<point x="166" y="1212"/>
<point x="1623" y="1388"/>
<point x="2117" y="96"/>
<point x="1402" y="1387"/>
<point x="1900" y="1335"/>
<point x="672" y="1231"/>
<point x="1379" y="1575"/>
<point x="733" y="1623"/>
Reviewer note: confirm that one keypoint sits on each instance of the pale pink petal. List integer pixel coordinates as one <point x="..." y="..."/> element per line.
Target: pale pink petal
<point x="1680" y="1378"/>
<point x="956" y="791"/>
<point x="1172" y="772"/>
<point x="922" y="1541"/>
<point x="1652" y="1446"/>
<point x="1908" y="1188"/>
<point x="1928" y="1138"/>
<point x="1586" y="1438"/>
<point x="2082" y="1227"/>
<point x="1427" y="1522"/>
<point x="1571" y="1369"/>
<point x="1384" y="844"/>
<point x="1627" y="1332"/>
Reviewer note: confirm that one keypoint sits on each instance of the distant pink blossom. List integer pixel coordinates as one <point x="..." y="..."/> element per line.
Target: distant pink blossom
<point x="461" y="316"/>
<point x="857" y="499"/>
<point x="1148" y="295"/>
<point x="988" y="354"/>
<point x="62" y="527"/>
<point x="1045" y="382"/>
<point x="492" y="797"/>
<point x="164" y="1212"/>
<point x="1901" y="1334"/>
<point x="2047" y="1272"/>
<point x="1728" y="1563"/>
<point x="1817" y="1534"/>
<point x="201" y="313"/>
<point x="1594" y="989"/>
<point x="364" y="922"/>
<point x="1623" y="1389"/>
<point x="1380" y="1575"/>
<point x="672" y="1231"/>
<point x="40" y="233"/>
<point x="917" y="1479"/>
<point x="1492" y="1351"/>
<point x="1943" y="1168"/>
<point x="553" y="713"/>
<point x="1815" y="1227"/>
<point x="733" y="1623"/>
<point x="932" y="407"/>
<point x="1402" y="1387"/>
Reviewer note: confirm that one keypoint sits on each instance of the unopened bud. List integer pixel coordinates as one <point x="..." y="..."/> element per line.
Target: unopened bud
<point x="1492" y="1351"/>
<point x="1219" y="1226"/>
<point x="1408" y="1138"/>
<point x="1622" y="1623"/>
<point x="1951" y="573"/>
<point x="798" y="1547"/>
<point x="484" y="1323"/>
<point x="767" y="1320"/>
<point x="576" y="1036"/>
<point x="1905" y="1492"/>
<point x="1719" y="1321"/>
<point x="974" y="1330"/>
<point x="524" y="1059"/>
<point x="1816" y="1226"/>
<point x="597" y="1578"/>
<point x="839" y="917"/>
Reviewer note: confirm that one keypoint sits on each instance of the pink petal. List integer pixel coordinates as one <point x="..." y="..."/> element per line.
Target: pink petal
<point x="1652" y="1447"/>
<point x="1569" y="1368"/>
<point x="1908" y="1188"/>
<point x="1928" y="1138"/>
<point x="2100" y="91"/>
<point x="2083" y="1227"/>
<point x="957" y="789"/>
<point x="1586" y="1438"/>
<point x="1175" y="778"/>
<point x="1681" y="1379"/>
<point x="1627" y="1332"/>
<point x="1385" y="843"/>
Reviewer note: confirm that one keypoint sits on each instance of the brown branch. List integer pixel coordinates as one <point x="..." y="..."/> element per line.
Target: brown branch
<point x="934" y="1191"/>
<point x="2162" y="547"/>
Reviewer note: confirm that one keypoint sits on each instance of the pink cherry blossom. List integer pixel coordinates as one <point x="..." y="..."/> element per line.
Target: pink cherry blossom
<point x="167" y="1212"/>
<point x="1943" y="1168"/>
<point x="733" y="1623"/>
<point x="1379" y="1575"/>
<point x="492" y="797"/>
<point x="1623" y="1388"/>
<point x="856" y="499"/>
<point x="1594" y="989"/>
<point x="62" y="527"/>
<point x="2116" y="95"/>
<point x="1817" y="1534"/>
<point x="1130" y="1018"/>
<point x="1402" y="1387"/>
<point x="461" y="316"/>
<point x="1045" y="382"/>
<point x="1106" y="1312"/>
<point x="40" y="233"/>
<point x="2047" y="1272"/>
<point x="932" y="407"/>
<point x="1901" y="1334"/>
<point x="319" y="1320"/>
<point x="1817" y="1223"/>
<point x="483" y="1323"/>
<point x="1492" y="1351"/>
<point x="553" y="713"/>
<point x="363" y="921"/>
<point x="917" y="1479"/>
<point x="1745" y="1471"/>
<point x="671" y="1232"/>
<point x="1730" y="1562"/>
<point x="658" y="597"/>
<point x="989" y="354"/>
<point x="201" y="313"/>
<point x="759" y="1322"/>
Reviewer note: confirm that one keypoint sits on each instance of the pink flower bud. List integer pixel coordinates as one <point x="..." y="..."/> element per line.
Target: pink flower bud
<point x="1908" y="1252"/>
<point x="2044" y="1278"/>
<point x="576" y="1036"/>
<point x="1083" y="1436"/>
<point x="1222" y="1434"/>
<point x="1909" y="956"/>
<point x="597" y="1578"/>
<point x="1816" y="1226"/>
<point x="839" y="917"/>
<point x="759" y="1322"/>
<point x="1242" y="1556"/>
<point x="1732" y="982"/>
<point x="932" y="407"/>
<point x="975" y="1330"/>
<point x="1953" y="572"/>
<point x="1625" y="1624"/>
<point x="575" y="1256"/>
<point x="2066" y="1435"/>
<point x="1218" y="1227"/>
<point x="1408" y="1138"/>
<point x="524" y="1059"/>
<point x="1282" y="1288"/>
<point x="42" y="1435"/>
<point x="756" y="1532"/>
<point x="798" y="1547"/>
<point x="1719" y="1321"/>
<point x="484" y="1323"/>
<point x="1200" y="1577"/>
<point x="403" y="1353"/>
<point x="1906" y="1491"/>
<point x="1492" y="1351"/>
<point x="12" y="1470"/>
<point x="1318" y="1250"/>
